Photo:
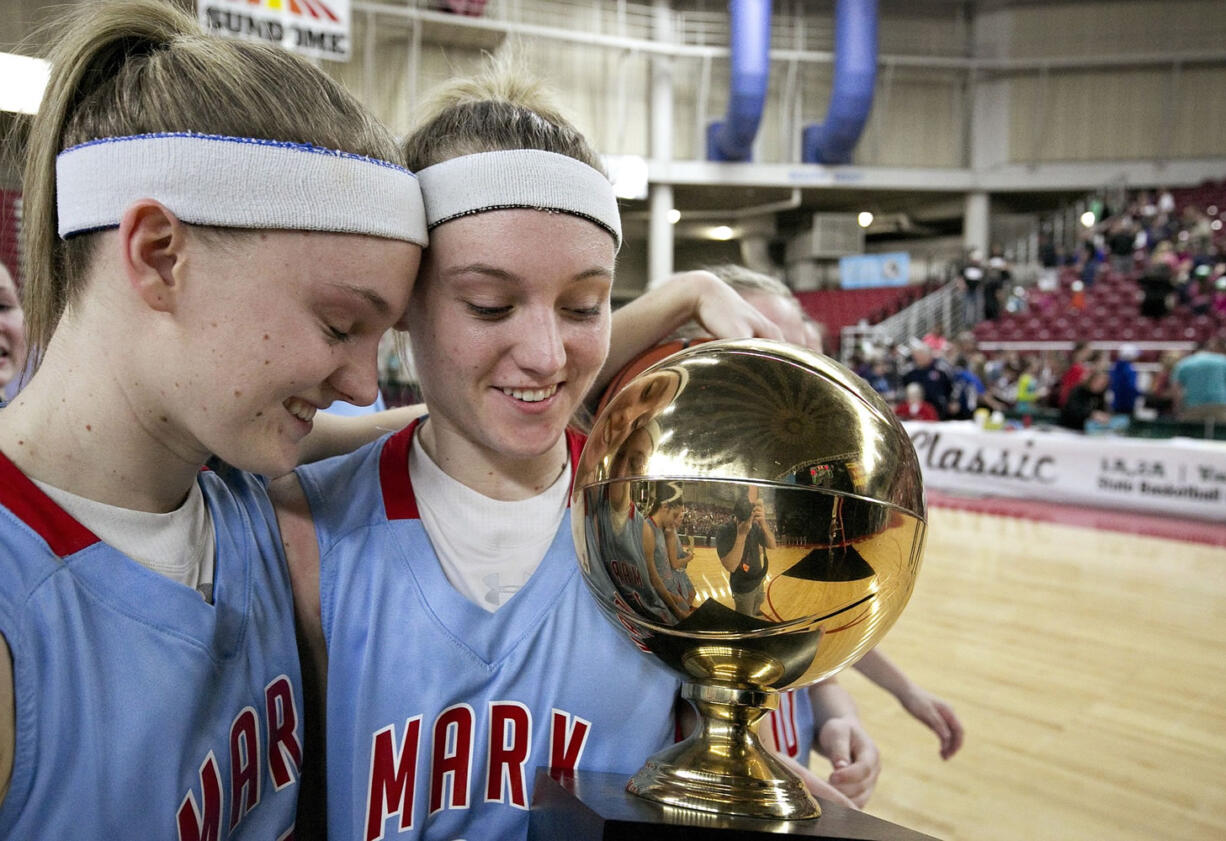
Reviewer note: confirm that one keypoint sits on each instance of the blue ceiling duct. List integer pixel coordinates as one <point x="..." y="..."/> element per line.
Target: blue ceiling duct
<point x="855" y="76"/>
<point x="750" y="28"/>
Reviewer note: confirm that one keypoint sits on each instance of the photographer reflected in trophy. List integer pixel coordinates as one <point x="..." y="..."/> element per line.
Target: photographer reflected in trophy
<point x="741" y="544"/>
<point x="662" y="545"/>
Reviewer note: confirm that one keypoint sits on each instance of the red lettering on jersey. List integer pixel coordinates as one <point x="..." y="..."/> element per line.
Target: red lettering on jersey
<point x="510" y="741"/>
<point x="244" y="765"/>
<point x="203" y="823"/>
<point x="637" y="635"/>
<point x="452" y="756"/>
<point x="783" y="725"/>
<point x="567" y="738"/>
<point x="626" y="573"/>
<point x="393" y="778"/>
<point x="284" y="745"/>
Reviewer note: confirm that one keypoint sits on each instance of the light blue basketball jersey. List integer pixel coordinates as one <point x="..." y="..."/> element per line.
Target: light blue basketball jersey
<point x="675" y="580"/>
<point x="622" y="550"/>
<point x="143" y="711"/>
<point x="439" y="712"/>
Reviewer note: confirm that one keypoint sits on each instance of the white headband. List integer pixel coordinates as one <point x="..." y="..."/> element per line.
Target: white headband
<point x="518" y="178"/>
<point x="237" y="182"/>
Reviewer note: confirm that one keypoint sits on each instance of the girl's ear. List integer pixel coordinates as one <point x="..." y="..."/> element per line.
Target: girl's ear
<point x="152" y="244"/>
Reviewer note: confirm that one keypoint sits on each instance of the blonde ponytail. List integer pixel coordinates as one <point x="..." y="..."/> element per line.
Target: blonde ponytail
<point x="503" y="108"/>
<point x="143" y="66"/>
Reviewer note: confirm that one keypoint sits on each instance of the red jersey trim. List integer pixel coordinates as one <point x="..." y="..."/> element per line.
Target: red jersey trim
<point x="65" y="535"/>
<point x="574" y="443"/>
<point x="399" y="501"/>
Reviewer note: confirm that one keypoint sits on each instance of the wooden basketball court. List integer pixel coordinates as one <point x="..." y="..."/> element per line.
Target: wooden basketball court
<point x="1089" y="669"/>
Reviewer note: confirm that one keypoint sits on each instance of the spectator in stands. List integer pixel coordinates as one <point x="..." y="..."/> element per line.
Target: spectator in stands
<point x="935" y="339"/>
<point x="1002" y="383"/>
<point x="1076" y="372"/>
<point x="1087" y="402"/>
<point x="1049" y="256"/>
<point x="1197" y="225"/>
<point x="1201" y="381"/>
<point x="996" y="280"/>
<point x="1124" y="391"/>
<point x="1031" y="389"/>
<point x="12" y="336"/>
<point x="1164" y="252"/>
<point x="1218" y="308"/>
<point x="915" y="407"/>
<point x="1091" y="263"/>
<point x="1120" y="243"/>
<point x="969" y="391"/>
<point x="883" y="378"/>
<point x="970" y="280"/>
<point x="1162" y="389"/>
<point x="1166" y="202"/>
<point x="965" y="345"/>
<point x="1200" y="290"/>
<point x="931" y="373"/>
<point x="1156" y="287"/>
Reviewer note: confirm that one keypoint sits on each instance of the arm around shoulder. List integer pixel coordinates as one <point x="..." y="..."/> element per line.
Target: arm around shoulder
<point x="687" y="296"/>
<point x="301" y="549"/>
<point x="302" y="557"/>
<point x="333" y="435"/>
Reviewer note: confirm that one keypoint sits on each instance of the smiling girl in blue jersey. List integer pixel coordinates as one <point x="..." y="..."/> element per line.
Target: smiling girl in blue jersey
<point x="435" y="573"/>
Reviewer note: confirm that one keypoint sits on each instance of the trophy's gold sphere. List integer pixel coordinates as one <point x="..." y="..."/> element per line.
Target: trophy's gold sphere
<point x="784" y="448"/>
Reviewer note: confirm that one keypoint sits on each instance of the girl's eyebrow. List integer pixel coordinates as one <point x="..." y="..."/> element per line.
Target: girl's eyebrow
<point x="497" y="273"/>
<point x="371" y="297"/>
<point x="482" y="269"/>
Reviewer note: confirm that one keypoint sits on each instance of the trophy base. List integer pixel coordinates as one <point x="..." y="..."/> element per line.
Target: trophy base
<point x="763" y="789"/>
<point x="595" y="806"/>
<point x="722" y="767"/>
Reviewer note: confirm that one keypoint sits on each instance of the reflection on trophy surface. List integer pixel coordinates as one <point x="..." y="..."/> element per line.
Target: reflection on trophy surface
<point x="752" y="514"/>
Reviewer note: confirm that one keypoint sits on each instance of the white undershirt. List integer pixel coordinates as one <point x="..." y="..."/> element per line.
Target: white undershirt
<point x="178" y="545"/>
<point x="488" y="548"/>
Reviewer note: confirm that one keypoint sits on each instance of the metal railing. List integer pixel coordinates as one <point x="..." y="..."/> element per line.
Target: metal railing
<point x="942" y="308"/>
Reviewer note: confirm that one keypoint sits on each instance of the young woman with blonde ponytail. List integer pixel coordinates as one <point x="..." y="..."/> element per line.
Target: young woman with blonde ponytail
<point x="217" y="237"/>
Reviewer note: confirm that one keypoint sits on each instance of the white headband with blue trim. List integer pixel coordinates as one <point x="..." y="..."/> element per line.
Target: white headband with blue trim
<point x="518" y="178"/>
<point x="237" y="182"/>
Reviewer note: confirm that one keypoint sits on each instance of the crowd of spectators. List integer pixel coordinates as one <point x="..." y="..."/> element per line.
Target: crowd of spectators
<point x="701" y="519"/>
<point x="1176" y="253"/>
<point x="931" y="378"/>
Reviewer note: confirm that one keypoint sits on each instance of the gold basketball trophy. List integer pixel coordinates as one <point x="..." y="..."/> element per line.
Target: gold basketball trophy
<point x="786" y="527"/>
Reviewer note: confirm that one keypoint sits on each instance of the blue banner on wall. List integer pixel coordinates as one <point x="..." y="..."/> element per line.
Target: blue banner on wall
<point x="866" y="270"/>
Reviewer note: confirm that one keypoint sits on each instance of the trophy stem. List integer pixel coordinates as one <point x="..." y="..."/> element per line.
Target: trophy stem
<point x="722" y="766"/>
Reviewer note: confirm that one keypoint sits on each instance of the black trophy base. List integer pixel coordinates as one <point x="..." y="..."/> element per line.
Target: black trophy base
<point x="591" y="806"/>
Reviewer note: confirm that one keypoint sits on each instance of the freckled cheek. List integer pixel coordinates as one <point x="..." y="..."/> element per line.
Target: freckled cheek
<point x="475" y="351"/>
<point x="586" y="352"/>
